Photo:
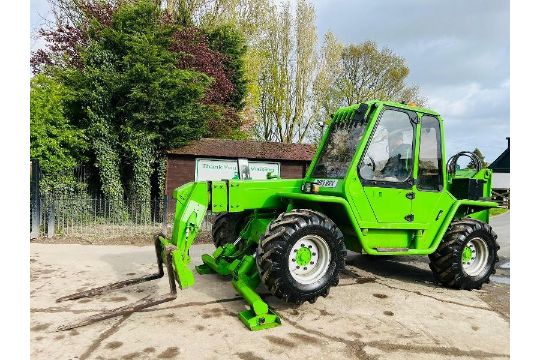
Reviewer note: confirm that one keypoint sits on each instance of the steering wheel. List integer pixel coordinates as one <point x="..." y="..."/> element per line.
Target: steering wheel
<point x="366" y="169"/>
<point x="372" y="162"/>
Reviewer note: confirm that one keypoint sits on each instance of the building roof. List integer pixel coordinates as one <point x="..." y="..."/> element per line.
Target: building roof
<point x="502" y="163"/>
<point x="249" y="149"/>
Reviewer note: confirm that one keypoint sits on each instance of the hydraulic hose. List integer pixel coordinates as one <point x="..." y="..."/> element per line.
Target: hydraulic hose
<point x="452" y="162"/>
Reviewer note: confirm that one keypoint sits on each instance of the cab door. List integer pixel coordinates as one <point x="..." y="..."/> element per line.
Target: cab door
<point x="386" y="166"/>
<point x="430" y="203"/>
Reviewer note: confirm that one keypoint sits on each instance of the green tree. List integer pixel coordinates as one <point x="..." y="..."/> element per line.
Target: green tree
<point x="480" y="156"/>
<point x="58" y="145"/>
<point x="365" y="72"/>
<point x="134" y="101"/>
<point x="286" y="75"/>
<point x="326" y="96"/>
<point x="141" y="82"/>
<point x="358" y="72"/>
<point x="232" y="45"/>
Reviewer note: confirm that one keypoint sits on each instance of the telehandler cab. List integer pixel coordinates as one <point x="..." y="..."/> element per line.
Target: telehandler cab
<point x="377" y="185"/>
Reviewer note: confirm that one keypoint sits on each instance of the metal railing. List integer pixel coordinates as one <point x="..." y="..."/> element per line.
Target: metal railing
<point x="97" y="217"/>
<point x="79" y="212"/>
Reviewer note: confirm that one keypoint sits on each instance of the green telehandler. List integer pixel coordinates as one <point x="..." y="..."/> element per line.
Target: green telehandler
<point x="377" y="185"/>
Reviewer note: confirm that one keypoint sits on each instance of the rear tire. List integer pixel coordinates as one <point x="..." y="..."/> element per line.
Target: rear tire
<point x="466" y="256"/>
<point x="227" y="227"/>
<point x="301" y="255"/>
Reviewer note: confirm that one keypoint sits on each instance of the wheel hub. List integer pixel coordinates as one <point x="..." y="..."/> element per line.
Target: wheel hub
<point x="303" y="256"/>
<point x="309" y="259"/>
<point x="474" y="257"/>
<point x="467" y="254"/>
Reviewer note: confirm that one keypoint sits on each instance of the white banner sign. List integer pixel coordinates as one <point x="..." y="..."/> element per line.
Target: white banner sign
<point x="216" y="169"/>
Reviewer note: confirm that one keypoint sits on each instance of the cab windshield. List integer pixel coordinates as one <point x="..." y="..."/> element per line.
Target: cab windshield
<point x="339" y="149"/>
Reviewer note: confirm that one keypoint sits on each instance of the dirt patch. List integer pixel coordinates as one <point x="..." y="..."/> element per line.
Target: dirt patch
<point x="248" y="356"/>
<point x="364" y="280"/>
<point x="380" y="296"/>
<point x="40" y="327"/>
<point x="295" y="312"/>
<point x="357" y="278"/>
<point x="325" y="313"/>
<point x="167" y="316"/>
<point x="199" y="327"/>
<point x="497" y="296"/>
<point x="59" y="337"/>
<point x="216" y="312"/>
<point x="83" y="301"/>
<point x="354" y="334"/>
<point x="149" y="350"/>
<point x="130" y="356"/>
<point x="114" y="345"/>
<point x="169" y="353"/>
<point x="73" y="332"/>
<point x="115" y="237"/>
<point x="475" y="327"/>
<point x="45" y="271"/>
<point x="117" y="299"/>
<point x="448" y="351"/>
<point x="280" y="341"/>
<point x="306" y="339"/>
<point x="356" y="350"/>
<point x="388" y="313"/>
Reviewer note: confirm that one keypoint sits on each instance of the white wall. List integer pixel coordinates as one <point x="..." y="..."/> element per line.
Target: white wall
<point x="500" y="181"/>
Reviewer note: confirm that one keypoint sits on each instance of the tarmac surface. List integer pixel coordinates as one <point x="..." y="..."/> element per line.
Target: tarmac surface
<point x="383" y="308"/>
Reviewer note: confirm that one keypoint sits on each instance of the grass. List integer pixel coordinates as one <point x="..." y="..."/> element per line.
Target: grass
<point x="497" y="211"/>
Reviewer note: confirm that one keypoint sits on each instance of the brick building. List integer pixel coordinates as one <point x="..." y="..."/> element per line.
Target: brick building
<point x="215" y="159"/>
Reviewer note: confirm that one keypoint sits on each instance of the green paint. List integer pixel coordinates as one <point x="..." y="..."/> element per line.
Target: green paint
<point x="467" y="254"/>
<point x="372" y="215"/>
<point x="303" y="256"/>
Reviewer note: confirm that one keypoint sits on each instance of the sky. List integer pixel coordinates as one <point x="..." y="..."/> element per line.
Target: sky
<point x="458" y="53"/>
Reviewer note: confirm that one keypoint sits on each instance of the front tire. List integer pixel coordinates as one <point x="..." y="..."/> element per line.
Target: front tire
<point x="301" y="255"/>
<point x="466" y="257"/>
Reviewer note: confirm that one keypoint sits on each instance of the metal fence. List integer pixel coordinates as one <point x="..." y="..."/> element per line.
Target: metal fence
<point x="502" y="197"/>
<point x="80" y="214"/>
<point x="96" y="217"/>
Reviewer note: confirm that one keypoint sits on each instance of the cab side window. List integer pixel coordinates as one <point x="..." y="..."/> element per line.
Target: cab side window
<point x="388" y="157"/>
<point x="430" y="158"/>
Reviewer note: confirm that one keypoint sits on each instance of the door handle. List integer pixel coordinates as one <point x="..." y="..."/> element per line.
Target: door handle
<point x="410" y="195"/>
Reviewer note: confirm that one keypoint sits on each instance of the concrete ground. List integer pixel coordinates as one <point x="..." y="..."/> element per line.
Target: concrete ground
<point x="381" y="309"/>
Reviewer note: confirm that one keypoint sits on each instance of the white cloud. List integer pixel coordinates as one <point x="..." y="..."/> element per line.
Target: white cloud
<point x="457" y="52"/>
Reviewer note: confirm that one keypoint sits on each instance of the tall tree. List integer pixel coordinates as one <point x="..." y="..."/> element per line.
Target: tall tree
<point x="351" y="74"/>
<point x="287" y="73"/>
<point x="369" y="73"/>
<point x="141" y="82"/>
<point x="326" y="97"/>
